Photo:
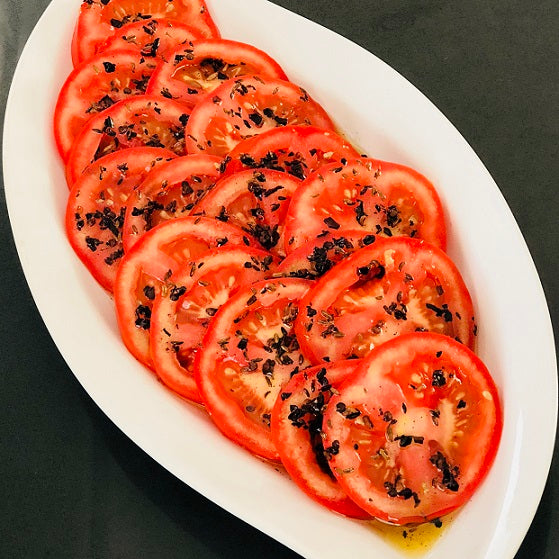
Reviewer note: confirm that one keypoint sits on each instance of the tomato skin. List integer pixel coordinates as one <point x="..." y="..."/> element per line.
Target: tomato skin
<point x="222" y="371"/>
<point x="433" y="429"/>
<point x="394" y="286"/>
<point x="298" y="150"/>
<point x="96" y="205"/>
<point x="169" y="193"/>
<point x="256" y="201"/>
<point x="179" y="322"/>
<point x="248" y="106"/>
<point x="152" y="262"/>
<point x="292" y="432"/>
<point x="155" y="39"/>
<point x="142" y="120"/>
<point x="99" y="20"/>
<point x="93" y="86"/>
<point x="195" y="70"/>
<point x="383" y="198"/>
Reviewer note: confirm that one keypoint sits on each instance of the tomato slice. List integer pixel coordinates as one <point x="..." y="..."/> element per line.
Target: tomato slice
<point x="197" y="69"/>
<point x="94" y="86"/>
<point x="315" y="258"/>
<point x="182" y="313"/>
<point x="249" y="353"/>
<point x="100" y="19"/>
<point x="256" y="201"/>
<point x="383" y="198"/>
<point x="154" y="39"/>
<point x="297" y="433"/>
<point x="298" y="150"/>
<point x="169" y="192"/>
<point x="142" y="120"/>
<point x="413" y="432"/>
<point x="245" y="107"/>
<point x="96" y="206"/>
<point x="151" y="263"/>
<point x="391" y="287"/>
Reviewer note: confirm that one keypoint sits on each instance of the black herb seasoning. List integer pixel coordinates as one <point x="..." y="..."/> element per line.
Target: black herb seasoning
<point x="149" y="292"/>
<point x="333" y="449"/>
<point x="268" y="367"/>
<point x="92" y="243"/>
<point x="435" y="414"/>
<point x="449" y="473"/>
<point x="438" y="379"/>
<point x="441" y="312"/>
<point x="177" y="292"/>
<point x="360" y="214"/>
<point x="143" y="316"/>
<point x="331" y="222"/>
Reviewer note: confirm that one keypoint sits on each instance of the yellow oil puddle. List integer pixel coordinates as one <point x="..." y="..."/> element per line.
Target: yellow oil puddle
<point x="414" y="540"/>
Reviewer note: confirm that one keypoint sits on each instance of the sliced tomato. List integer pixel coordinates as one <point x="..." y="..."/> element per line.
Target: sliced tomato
<point x="248" y="106"/>
<point x="249" y="353"/>
<point x="297" y="433"/>
<point x="142" y="120"/>
<point x="314" y="259"/>
<point x="414" y="431"/>
<point x="197" y="69"/>
<point x="151" y="263"/>
<point x="96" y="207"/>
<point x="392" y="287"/>
<point x="154" y="39"/>
<point x="298" y="150"/>
<point x="256" y="201"/>
<point x="94" y="86"/>
<point x="169" y="192"/>
<point x="383" y="198"/>
<point x="100" y="19"/>
<point x="182" y="313"/>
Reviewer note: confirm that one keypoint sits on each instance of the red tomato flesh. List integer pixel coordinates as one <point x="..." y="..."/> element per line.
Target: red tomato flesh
<point x="298" y="150"/>
<point x="142" y="120"/>
<point x="170" y="192"/>
<point x="297" y="433"/>
<point x="249" y="353"/>
<point x="414" y="431"/>
<point x="94" y="86"/>
<point x="383" y="198"/>
<point x="182" y="312"/>
<point x="256" y="201"/>
<point x="154" y="39"/>
<point x="100" y="19"/>
<point x="195" y="70"/>
<point x="248" y="106"/>
<point x="96" y="207"/>
<point x="148" y="267"/>
<point x="391" y="287"/>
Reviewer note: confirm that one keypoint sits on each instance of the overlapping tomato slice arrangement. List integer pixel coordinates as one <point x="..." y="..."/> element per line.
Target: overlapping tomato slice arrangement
<point x="265" y="268"/>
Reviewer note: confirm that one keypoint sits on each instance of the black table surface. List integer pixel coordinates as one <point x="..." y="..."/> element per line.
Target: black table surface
<point x="72" y="485"/>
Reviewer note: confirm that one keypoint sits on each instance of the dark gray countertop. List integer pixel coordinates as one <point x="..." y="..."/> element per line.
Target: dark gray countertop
<point x="72" y="485"/>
